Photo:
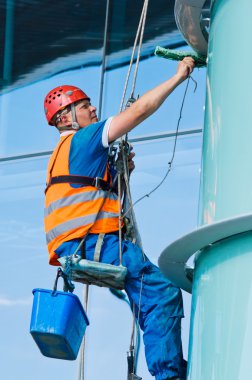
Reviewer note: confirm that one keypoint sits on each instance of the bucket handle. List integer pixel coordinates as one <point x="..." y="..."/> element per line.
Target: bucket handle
<point x="68" y="286"/>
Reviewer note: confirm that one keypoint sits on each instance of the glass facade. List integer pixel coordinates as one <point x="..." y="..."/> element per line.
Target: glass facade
<point x="166" y="214"/>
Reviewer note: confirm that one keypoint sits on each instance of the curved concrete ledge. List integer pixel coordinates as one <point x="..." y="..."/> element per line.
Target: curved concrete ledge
<point x="173" y="259"/>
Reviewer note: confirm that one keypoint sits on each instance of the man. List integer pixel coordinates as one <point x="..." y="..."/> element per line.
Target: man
<point x="74" y="210"/>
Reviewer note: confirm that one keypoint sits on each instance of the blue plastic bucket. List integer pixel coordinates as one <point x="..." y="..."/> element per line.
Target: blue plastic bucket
<point x="58" y="323"/>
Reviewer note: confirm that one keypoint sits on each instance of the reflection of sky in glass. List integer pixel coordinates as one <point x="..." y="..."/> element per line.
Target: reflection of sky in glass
<point x="23" y="126"/>
<point x="22" y="112"/>
<point x="168" y="213"/>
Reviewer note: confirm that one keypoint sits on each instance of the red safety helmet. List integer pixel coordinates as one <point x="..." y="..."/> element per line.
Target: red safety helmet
<point x="61" y="97"/>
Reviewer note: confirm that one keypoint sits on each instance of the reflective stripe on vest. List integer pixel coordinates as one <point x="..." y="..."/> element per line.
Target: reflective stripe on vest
<point x="72" y="212"/>
<point x="78" y="222"/>
<point x="77" y="198"/>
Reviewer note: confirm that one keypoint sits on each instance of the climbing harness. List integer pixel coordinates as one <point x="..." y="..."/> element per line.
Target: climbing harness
<point x="97" y="182"/>
<point x="75" y="266"/>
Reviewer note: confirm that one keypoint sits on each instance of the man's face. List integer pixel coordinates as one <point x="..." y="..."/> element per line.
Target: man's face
<point x="85" y="113"/>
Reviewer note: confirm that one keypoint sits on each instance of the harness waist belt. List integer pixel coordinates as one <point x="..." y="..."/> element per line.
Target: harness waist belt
<point x="97" y="182"/>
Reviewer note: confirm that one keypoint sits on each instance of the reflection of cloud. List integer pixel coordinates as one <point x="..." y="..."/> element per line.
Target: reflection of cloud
<point x="21" y="301"/>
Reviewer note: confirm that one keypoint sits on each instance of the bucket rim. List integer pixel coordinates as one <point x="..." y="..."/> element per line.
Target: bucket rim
<point x="55" y="293"/>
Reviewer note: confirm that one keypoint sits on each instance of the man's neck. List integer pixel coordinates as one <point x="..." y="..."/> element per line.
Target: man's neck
<point x="65" y="133"/>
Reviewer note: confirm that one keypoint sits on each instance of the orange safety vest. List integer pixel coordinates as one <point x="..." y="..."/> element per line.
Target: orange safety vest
<point x="71" y="213"/>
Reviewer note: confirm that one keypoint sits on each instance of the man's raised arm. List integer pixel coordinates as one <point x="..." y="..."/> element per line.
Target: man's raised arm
<point x="149" y="102"/>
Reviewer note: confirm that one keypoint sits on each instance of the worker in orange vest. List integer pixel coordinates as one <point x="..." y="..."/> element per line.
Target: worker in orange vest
<point x="79" y="202"/>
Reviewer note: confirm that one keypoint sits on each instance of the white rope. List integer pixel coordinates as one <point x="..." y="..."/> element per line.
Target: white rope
<point x="125" y="175"/>
<point x="134" y="337"/>
<point x="145" y="8"/>
<point x="140" y="25"/>
<point x="120" y="216"/>
<point x="83" y="344"/>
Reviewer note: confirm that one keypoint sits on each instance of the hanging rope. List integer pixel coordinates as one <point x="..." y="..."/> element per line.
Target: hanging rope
<point x="145" y="8"/>
<point x="135" y="334"/>
<point x="140" y="29"/>
<point x="103" y="66"/>
<point x="83" y="344"/>
<point x="123" y="174"/>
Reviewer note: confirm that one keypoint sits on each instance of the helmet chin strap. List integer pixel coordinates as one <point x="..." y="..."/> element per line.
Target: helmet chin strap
<point x="75" y="126"/>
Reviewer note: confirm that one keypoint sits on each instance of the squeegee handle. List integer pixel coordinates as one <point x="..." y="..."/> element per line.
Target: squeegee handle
<point x="178" y="55"/>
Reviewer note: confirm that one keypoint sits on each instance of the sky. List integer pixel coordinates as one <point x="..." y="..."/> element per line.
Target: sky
<point x="168" y="214"/>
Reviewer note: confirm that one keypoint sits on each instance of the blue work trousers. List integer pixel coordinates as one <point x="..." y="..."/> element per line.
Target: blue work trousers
<point x="161" y="305"/>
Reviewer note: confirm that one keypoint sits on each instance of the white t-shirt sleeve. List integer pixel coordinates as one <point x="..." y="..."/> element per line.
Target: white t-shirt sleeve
<point x="105" y="132"/>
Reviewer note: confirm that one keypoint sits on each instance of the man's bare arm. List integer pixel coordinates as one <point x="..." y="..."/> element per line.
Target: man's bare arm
<point x="149" y="102"/>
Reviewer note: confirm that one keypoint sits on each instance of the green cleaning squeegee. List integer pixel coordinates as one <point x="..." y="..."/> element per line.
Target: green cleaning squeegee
<point x="178" y="55"/>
